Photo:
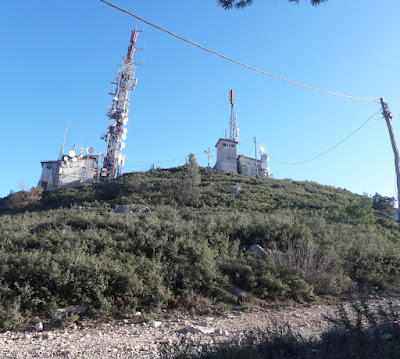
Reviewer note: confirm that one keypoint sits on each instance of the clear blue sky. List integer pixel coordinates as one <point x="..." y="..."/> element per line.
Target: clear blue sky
<point x="57" y="59"/>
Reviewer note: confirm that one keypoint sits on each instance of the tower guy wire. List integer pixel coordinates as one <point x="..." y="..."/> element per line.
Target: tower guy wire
<point x="328" y="150"/>
<point x="238" y="62"/>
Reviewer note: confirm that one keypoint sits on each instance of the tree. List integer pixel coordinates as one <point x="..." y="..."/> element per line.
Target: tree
<point x="193" y="171"/>
<point x="383" y="204"/>
<point x="240" y="4"/>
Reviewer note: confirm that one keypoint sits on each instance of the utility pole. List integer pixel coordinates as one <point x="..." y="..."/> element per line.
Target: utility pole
<point x="255" y="150"/>
<point x="388" y="117"/>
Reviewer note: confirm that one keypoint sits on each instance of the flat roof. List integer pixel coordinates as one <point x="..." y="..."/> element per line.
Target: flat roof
<point x="249" y="158"/>
<point x="226" y="139"/>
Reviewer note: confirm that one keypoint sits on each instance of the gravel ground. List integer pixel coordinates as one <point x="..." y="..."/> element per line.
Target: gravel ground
<point x="131" y="338"/>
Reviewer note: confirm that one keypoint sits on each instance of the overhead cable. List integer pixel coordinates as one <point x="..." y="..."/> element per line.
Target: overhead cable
<point x="180" y="158"/>
<point x="330" y="149"/>
<point x="235" y="61"/>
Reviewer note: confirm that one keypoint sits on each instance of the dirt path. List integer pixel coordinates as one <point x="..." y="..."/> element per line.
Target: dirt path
<point x="131" y="339"/>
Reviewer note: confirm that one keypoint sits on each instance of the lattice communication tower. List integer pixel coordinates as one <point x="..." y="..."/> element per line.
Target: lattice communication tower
<point x="125" y="82"/>
<point x="233" y="129"/>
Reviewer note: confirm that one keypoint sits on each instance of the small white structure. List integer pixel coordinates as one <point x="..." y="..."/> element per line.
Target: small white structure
<point x="252" y="167"/>
<point x="70" y="171"/>
<point x="226" y="156"/>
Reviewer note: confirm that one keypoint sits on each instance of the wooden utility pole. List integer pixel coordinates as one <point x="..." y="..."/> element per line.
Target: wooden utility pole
<point x="388" y="117"/>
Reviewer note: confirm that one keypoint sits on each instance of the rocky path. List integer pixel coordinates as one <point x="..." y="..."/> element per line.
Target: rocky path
<point x="132" y="338"/>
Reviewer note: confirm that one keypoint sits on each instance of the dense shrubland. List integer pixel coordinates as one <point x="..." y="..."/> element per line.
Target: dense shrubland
<point x="70" y="247"/>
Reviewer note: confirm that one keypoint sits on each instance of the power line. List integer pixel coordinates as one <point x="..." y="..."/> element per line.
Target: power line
<point x="330" y="149"/>
<point x="180" y="158"/>
<point x="235" y="61"/>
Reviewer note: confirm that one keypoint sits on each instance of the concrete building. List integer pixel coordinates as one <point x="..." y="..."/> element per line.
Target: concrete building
<point x="252" y="167"/>
<point x="226" y="156"/>
<point x="69" y="171"/>
<point x="229" y="161"/>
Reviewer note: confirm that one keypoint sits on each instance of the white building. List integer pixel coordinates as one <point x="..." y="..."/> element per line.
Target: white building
<point x="229" y="161"/>
<point x="69" y="171"/>
<point x="252" y="167"/>
<point x="226" y="156"/>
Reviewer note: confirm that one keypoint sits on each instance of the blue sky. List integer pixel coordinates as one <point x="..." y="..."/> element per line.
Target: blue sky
<point x="58" y="58"/>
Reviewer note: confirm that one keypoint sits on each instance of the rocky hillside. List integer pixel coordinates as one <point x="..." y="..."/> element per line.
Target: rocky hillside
<point x="185" y="242"/>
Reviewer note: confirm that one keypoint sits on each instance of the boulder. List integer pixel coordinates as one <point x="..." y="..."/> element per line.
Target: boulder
<point x="132" y="208"/>
<point x="259" y="251"/>
<point x="236" y="189"/>
<point x="195" y="329"/>
<point x="39" y="326"/>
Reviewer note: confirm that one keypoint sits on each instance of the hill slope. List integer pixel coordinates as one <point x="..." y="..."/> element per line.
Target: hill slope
<point x="192" y="248"/>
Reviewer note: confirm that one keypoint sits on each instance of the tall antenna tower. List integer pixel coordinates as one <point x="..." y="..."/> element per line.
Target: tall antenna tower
<point x="233" y="129"/>
<point x="125" y="82"/>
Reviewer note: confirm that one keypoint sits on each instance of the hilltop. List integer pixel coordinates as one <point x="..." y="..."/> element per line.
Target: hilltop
<point x="191" y="249"/>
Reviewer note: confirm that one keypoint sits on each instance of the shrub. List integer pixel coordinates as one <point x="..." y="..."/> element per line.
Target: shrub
<point x="22" y="201"/>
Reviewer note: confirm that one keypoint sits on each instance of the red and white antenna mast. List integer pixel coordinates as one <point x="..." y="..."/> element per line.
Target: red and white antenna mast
<point x="118" y="114"/>
<point x="233" y="129"/>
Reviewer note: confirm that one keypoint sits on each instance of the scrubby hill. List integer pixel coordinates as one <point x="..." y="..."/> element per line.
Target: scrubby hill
<point x="71" y="247"/>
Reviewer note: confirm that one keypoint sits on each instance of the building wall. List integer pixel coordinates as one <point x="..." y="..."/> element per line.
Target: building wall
<point x="59" y="174"/>
<point x="226" y="156"/>
<point x="248" y="166"/>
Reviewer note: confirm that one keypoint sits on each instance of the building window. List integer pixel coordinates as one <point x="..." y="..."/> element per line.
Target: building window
<point x="43" y="185"/>
<point x="48" y="165"/>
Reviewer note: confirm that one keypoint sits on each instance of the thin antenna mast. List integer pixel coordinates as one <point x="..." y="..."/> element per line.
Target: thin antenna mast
<point x="388" y="117"/>
<point x="255" y="151"/>
<point x="60" y="156"/>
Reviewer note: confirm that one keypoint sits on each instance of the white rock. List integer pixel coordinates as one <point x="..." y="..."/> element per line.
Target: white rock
<point x="193" y="329"/>
<point x="39" y="326"/>
<point x="154" y="324"/>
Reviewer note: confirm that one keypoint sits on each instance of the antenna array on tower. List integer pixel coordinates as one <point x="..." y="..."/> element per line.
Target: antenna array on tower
<point x="118" y="114"/>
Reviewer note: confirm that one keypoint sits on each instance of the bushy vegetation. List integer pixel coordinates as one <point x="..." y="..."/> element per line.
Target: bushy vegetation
<point x="356" y="333"/>
<point x="74" y="249"/>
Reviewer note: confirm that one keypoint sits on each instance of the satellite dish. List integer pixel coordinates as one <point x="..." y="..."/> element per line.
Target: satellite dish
<point x="262" y="149"/>
<point x="112" y="122"/>
<point x="71" y="153"/>
<point x="268" y="169"/>
<point x="115" y="98"/>
<point x="125" y="130"/>
<point x="65" y="158"/>
<point x="90" y="150"/>
<point x="125" y="121"/>
<point x="122" y="145"/>
<point x="264" y="157"/>
<point x="123" y="114"/>
<point x="264" y="166"/>
<point x="74" y="159"/>
<point x="124" y="137"/>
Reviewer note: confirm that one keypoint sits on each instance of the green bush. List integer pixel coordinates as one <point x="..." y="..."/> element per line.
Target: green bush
<point x="74" y="249"/>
